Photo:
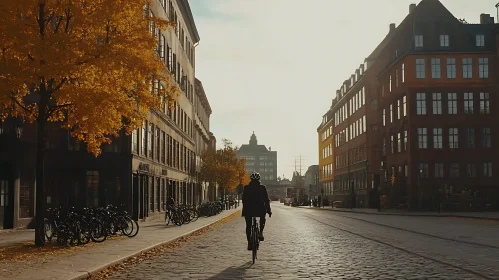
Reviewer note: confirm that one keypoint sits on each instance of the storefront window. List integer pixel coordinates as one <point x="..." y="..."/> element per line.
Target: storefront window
<point x="26" y="197"/>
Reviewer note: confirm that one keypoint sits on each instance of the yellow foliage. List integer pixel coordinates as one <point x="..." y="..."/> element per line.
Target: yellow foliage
<point x="224" y="168"/>
<point x="87" y="63"/>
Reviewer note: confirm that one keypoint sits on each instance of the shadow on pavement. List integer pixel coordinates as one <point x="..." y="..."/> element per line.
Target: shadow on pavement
<point x="233" y="272"/>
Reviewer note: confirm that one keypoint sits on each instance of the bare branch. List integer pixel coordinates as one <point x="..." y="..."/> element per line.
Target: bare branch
<point x="58" y="24"/>
<point x="68" y="19"/>
<point x="22" y="106"/>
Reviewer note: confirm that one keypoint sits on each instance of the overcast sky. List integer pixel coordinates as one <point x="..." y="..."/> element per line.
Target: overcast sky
<point x="273" y="66"/>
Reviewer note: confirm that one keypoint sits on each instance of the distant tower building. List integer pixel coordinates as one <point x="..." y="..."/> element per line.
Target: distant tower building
<point x="259" y="159"/>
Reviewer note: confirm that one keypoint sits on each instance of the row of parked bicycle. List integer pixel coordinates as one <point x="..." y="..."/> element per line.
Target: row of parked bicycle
<point x="184" y="214"/>
<point x="97" y="224"/>
<point x="89" y="224"/>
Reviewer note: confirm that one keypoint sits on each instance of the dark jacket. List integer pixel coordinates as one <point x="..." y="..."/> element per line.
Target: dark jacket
<point x="256" y="201"/>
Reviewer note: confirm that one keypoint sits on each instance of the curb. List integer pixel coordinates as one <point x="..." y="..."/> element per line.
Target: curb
<point x="405" y="215"/>
<point x="100" y="268"/>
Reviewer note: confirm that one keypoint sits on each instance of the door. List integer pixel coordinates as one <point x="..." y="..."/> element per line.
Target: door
<point x="6" y="205"/>
<point x="135" y="197"/>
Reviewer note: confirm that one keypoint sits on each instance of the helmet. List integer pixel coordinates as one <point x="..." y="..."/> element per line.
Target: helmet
<point x="255" y="176"/>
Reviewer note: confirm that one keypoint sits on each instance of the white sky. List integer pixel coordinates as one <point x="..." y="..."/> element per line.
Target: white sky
<point x="273" y="66"/>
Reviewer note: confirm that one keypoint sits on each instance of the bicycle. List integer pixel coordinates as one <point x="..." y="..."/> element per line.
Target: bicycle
<point x="254" y="238"/>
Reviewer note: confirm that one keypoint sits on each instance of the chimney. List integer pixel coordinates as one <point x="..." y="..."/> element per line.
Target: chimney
<point x="411" y="8"/>
<point x="392" y="27"/>
<point x="485" y="19"/>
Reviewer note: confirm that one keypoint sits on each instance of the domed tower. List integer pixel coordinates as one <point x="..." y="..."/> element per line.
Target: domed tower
<point x="253" y="141"/>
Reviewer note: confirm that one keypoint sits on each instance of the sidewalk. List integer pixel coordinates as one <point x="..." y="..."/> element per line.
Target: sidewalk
<point x="77" y="264"/>
<point x="471" y="215"/>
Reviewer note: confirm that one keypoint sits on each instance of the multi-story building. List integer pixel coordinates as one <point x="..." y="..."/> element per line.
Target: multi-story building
<point x="438" y="111"/>
<point x="140" y="170"/>
<point x="204" y="139"/>
<point x="163" y="149"/>
<point x="260" y="159"/>
<point x="326" y="155"/>
<point x="350" y="140"/>
<point x="311" y="181"/>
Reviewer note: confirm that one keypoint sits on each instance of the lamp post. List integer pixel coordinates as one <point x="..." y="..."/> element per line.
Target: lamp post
<point x="419" y="188"/>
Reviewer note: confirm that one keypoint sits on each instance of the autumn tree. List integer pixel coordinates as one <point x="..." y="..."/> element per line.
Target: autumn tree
<point x="223" y="167"/>
<point x="87" y="65"/>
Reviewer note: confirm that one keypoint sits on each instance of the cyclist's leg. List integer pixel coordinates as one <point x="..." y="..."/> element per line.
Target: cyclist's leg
<point x="248" y="227"/>
<point x="262" y="226"/>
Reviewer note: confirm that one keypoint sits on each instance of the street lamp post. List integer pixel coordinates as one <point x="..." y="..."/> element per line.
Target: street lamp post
<point x="419" y="188"/>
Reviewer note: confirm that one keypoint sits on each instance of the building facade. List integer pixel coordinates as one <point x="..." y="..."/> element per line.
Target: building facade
<point x="139" y="170"/>
<point x="260" y="159"/>
<point x="311" y="181"/>
<point x="326" y="156"/>
<point x="438" y="110"/>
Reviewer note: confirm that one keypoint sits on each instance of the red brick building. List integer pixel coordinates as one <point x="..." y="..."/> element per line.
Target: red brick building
<point x="438" y="109"/>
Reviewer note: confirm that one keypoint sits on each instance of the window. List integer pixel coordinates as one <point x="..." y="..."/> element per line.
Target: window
<point x="439" y="170"/>
<point x="135" y="141"/>
<point x="484" y="103"/>
<point x="444" y="40"/>
<point x="452" y="103"/>
<point x="163" y="147"/>
<point x="421" y="103"/>
<point x="418" y="41"/>
<point x="403" y="72"/>
<point x="487" y="169"/>
<point x="486" y="138"/>
<point x="454" y="170"/>
<point x="399" y="142"/>
<point x="157" y="138"/>
<point x="392" y="144"/>
<point x="398" y="109"/>
<point x="422" y="138"/>
<point x="405" y="140"/>
<point x="384" y="117"/>
<point x="480" y="40"/>
<point x="470" y="170"/>
<point x="420" y="68"/>
<point x="453" y="138"/>
<point x="391" y="113"/>
<point x="435" y="68"/>
<point x="390" y="83"/>
<point x="406" y="170"/>
<point x="467" y="68"/>
<point x="150" y="136"/>
<point x="483" y="68"/>
<point x="404" y="105"/>
<point x="437" y="103"/>
<point x="468" y="103"/>
<point x="143" y="141"/>
<point x="437" y="138"/>
<point x="423" y="170"/>
<point x="4" y="193"/>
<point x="92" y="188"/>
<point x="451" y="68"/>
<point x="470" y="137"/>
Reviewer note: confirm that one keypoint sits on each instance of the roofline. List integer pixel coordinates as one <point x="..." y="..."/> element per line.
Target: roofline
<point x="191" y="25"/>
<point x="203" y="96"/>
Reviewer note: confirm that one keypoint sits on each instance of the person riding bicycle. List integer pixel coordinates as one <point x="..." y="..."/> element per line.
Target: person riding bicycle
<point x="256" y="203"/>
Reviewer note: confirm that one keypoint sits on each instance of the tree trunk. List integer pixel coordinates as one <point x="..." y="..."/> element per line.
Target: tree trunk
<point x="40" y="180"/>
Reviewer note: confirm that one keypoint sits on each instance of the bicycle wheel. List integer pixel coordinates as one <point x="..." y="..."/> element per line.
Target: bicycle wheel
<point x="254" y="240"/>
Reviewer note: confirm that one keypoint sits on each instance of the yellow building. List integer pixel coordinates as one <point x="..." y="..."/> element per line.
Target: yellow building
<point x="326" y="155"/>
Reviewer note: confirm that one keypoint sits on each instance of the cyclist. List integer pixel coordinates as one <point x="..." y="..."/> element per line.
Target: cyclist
<point x="256" y="203"/>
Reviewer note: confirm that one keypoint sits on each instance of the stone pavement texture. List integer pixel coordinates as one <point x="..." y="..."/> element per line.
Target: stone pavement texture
<point x="308" y="244"/>
<point x="76" y="265"/>
<point x="476" y="215"/>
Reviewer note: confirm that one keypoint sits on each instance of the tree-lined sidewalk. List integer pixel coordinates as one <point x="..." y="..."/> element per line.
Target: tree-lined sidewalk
<point x="77" y="262"/>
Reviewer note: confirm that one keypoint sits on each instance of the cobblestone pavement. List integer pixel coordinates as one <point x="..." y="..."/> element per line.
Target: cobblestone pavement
<point x="308" y="244"/>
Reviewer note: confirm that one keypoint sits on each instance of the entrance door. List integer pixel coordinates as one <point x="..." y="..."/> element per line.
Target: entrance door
<point x="6" y="205"/>
<point x="135" y="197"/>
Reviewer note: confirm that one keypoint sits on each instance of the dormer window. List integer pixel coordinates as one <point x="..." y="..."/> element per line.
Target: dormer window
<point x="480" y="40"/>
<point x="418" y="41"/>
<point x="444" y="40"/>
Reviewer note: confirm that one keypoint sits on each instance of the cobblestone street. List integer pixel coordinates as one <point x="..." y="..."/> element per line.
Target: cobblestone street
<point x="311" y="244"/>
